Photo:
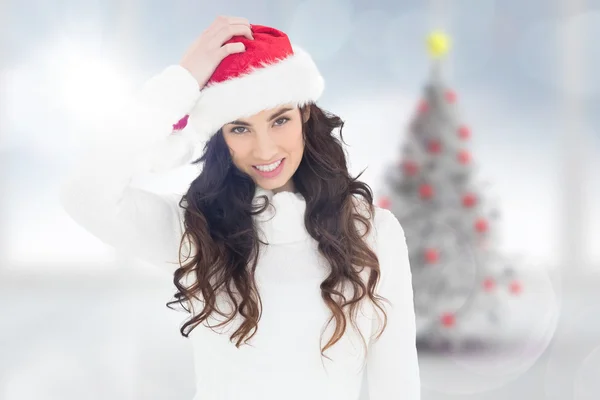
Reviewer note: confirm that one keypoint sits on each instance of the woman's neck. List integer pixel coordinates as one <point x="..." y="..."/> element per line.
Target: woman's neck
<point x="288" y="187"/>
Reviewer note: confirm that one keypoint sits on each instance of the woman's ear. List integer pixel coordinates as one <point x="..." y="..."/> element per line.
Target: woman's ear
<point x="305" y="113"/>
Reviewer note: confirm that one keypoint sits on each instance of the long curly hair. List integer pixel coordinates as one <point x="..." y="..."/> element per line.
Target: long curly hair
<point x="218" y="222"/>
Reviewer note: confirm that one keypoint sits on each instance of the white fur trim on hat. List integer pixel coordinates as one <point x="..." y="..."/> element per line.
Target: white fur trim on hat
<point x="296" y="79"/>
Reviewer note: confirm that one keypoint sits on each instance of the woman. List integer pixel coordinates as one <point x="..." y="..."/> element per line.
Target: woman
<point x="294" y="281"/>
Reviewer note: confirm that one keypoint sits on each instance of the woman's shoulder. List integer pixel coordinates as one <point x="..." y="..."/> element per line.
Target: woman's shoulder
<point x="387" y="229"/>
<point x="383" y="223"/>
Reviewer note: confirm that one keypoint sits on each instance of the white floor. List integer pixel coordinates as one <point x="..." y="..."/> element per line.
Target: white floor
<point x="108" y="337"/>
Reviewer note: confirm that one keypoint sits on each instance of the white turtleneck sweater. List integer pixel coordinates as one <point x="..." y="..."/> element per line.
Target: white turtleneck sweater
<point x="283" y="360"/>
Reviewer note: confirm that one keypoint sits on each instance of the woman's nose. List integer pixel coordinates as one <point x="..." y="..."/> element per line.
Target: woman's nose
<point x="265" y="147"/>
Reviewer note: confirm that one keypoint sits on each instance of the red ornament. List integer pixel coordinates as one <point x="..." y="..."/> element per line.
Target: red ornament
<point x="432" y="256"/>
<point x="481" y="225"/>
<point x="469" y="200"/>
<point x="423" y="107"/>
<point x="448" y="319"/>
<point x="434" y="146"/>
<point x="489" y="284"/>
<point x="464" y="157"/>
<point x="182" y="123"/>
<point x="426" y="191"/>
<point x="464" y="132"/>
<point x="451" y="96"/>
<point x="410" y="168"/>
<point x="515" y="287"/>
<point x="385" y="202"/>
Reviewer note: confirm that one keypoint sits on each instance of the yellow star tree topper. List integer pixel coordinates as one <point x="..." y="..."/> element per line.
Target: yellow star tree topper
<point x="438" y="44"/>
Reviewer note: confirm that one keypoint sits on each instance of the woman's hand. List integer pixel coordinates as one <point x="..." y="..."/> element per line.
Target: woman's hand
<point x="204" y="55"/>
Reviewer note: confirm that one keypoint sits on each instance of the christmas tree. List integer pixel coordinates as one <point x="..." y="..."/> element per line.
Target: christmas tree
<point x="459" y="277"/>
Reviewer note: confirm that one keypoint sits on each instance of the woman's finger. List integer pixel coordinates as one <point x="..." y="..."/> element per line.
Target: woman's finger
<point x="222" y="21"/>
<point x="231" y="48"/>
<point x="229" y="31"/>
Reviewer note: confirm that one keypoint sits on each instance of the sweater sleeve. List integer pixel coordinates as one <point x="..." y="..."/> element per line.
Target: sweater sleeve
<point x="98" y="194"/>
<point x="392" y="364"/>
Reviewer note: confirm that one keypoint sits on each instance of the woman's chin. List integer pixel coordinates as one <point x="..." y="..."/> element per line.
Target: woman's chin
<point x="270" y="184"/>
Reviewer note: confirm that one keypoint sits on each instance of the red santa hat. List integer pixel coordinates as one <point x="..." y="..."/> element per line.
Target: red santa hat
<point x="269" y="73"/>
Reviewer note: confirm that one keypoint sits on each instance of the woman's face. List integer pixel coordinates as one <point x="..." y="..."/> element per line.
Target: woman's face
<point x="268" y="146"/>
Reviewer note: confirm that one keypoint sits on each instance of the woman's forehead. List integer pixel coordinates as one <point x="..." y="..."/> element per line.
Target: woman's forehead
<point x="269" y="113"/>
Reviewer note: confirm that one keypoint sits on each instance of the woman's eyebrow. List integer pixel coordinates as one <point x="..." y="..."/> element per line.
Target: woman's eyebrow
<point x="278" y="113"/>
<point x="236" y="122"/>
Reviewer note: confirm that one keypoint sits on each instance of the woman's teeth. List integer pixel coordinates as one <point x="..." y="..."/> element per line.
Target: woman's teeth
<point x="268" y="168"/>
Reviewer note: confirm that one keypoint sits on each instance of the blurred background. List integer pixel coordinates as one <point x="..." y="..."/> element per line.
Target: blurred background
<point x="82" y="321"/>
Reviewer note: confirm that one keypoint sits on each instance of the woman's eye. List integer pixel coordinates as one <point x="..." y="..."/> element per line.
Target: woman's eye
<point x="235" y="130"/>
<point x="282" y="121"/>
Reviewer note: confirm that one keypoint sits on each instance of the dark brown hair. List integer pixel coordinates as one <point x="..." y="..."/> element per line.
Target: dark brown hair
<point x="219" y="224"/>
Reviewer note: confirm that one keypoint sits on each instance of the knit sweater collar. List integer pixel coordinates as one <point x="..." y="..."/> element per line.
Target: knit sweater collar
<point x="283" y="220"/>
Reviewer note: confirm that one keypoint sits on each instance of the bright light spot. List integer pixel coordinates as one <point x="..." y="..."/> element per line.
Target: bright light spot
<point x="88" y="85"/>
<point x="80" y="81"/>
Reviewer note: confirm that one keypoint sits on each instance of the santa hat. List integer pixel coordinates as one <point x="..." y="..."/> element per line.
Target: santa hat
<point x="269" y="73"/>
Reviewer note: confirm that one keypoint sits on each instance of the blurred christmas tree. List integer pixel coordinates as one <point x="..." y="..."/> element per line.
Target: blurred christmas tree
<point x="459" y="278"/>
